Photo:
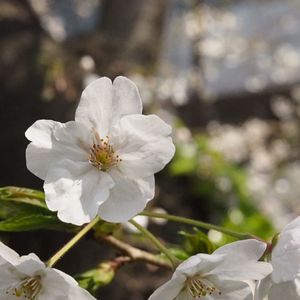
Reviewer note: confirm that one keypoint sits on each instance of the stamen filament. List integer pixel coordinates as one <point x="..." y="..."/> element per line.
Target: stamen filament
<point x="199" y="287"/>
<point x="102" y="155"/>
<point x="28" y="288"/>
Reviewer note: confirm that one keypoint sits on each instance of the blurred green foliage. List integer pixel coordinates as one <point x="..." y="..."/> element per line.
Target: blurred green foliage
<point x="222" y="184"/>
<point x="196" y="242"/>
<point x="23" y="209"/>
<point x="93" y="279"/>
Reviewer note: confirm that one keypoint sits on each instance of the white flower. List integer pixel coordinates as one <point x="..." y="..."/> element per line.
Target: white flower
<point x="221" y="275"/>
<point x="27" y="278"/>
<point x="103" y="162"/>
<point x="284" y="282"/>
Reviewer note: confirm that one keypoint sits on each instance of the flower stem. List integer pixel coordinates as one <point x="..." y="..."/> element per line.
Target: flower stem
<point x="156" y="242"/>
<point x="57" y="256"/>
<point x="238" y="235"/>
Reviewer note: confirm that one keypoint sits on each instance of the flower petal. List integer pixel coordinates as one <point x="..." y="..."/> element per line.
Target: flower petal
<point x="170" y="289"/>
<point x="102" y="103"/>
<point x="294" y="224"/>
<point x="230" y="290"/>
<point x="262" y="288"/>
<point x="143" y="143"/>
<point x="8" y="277"/>
<point x="38" y="153"/>
<point x="289" y="290"/>
<point x="245" y="250"/>
<point x="199" y="264"/>
<point x="126" y="99"/>
<point x="185" y="295"/>
<point x="241" y="261"/>
<point x="30" y="264"/>
<point x="60" y="286"/>
<point x="95" y="106"/>
<point x="8" y="255"/>
<point x="127" y="198"/>
<point x="53" y="141"/>
<point x="76" y="190"/>
<point x="286" y="253"/>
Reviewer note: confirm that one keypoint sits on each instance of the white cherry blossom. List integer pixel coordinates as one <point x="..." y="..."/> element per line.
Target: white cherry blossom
<point x="223" y="275"/>
<point x="27" y="278"/>
<point x="103" y="162"/>
<point x="284" y="282"/>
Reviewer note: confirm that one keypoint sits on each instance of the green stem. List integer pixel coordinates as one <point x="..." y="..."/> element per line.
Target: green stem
<point x="57" y="256"/>
<point x="240" y="236"/>
<point x="156" y="242"/>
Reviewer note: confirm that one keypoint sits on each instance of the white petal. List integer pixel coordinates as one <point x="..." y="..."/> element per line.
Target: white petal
<point x="8" y="255"/>
<point x="41" y="131"/>
<point x="102" y="103"/>
<point x="170" y="289"/>
<point x="241" y="261"/>
<point x="286" y="265"/>
<point x="289" y="290"/>
<point x="294" y="224"/>
<point x="30" y="264"/>
<point x="262" y="288"/>
<point x="76" y="190"/>
<point x="230" y="290"/>
<point x="126" y="99"/>
<point x="54" y="141"/>
<point x="73" y="141"/>
<point x="127" y="198"/>
<point x="95" y="106"/>
<point x="60" y="286"/>
<point x="245" y="271"/>
<point x="242" y="251"/>
<point x="286" y="253"/>
<point x="185" y="295"/>
<point x="41" y="135"/>
<point x="8" y="276"/>
<point x="199" y="264"/>
<point x="143" y="143"/>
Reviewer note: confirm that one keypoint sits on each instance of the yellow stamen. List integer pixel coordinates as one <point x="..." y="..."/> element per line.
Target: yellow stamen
<point x="102" y="155"/>
<point x="199" y="287"/>
<point x="29" y="288"/>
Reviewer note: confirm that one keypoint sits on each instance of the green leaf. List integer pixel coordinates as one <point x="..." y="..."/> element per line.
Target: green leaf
<point x="24" y="195"/>
<point x="23" y="209"/>
<point x="197" y="242"/>
<point x="179" y="253"/>
<point x="93" y="279"/>
<point x="15" y="201"/>
<point x="33" y="222"/>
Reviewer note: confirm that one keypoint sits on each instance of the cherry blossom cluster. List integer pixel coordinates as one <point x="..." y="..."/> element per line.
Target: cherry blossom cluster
<point x="103" y="164"/>
<point x="233" y="272"/>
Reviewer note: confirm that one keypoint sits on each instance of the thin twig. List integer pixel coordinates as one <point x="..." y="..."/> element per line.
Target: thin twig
<point x="143" y="230"/>
<point x="136" y="254"/>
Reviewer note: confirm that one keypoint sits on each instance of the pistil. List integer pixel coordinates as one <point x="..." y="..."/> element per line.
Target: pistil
<point x="102" y="155"/>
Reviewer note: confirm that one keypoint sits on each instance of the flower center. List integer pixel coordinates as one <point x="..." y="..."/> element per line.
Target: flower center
<point x="102" y="155"/>
<point x="27" y="289"/>
<point x="200" y="287"/>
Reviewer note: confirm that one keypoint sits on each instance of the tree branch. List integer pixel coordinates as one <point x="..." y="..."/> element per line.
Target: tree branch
<point x="136" y="254"/>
